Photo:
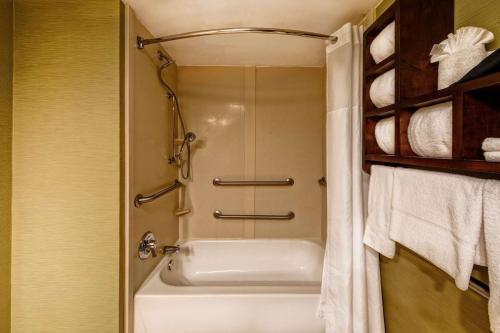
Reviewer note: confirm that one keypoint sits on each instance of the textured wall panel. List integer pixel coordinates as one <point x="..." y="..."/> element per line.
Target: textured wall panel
<point x="66" y="167"/>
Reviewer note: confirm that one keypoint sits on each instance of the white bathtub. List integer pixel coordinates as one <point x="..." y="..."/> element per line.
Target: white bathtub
<point x="233" y="286"/>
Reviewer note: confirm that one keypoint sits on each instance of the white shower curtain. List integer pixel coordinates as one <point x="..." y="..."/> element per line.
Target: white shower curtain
<point x="351" y="298"/>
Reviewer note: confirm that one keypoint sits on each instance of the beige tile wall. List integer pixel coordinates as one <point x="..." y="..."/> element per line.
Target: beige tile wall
<point x="254" y="123"/>
<point x="148" y="136"/>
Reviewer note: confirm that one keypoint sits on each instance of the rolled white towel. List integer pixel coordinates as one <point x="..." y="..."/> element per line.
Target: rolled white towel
<point x="429" y="131"/>
<point x="383" y="45"/>
<point x="384" y="134"/>
<point x="491" y="144"/>
<point x="382" y="89"/>
<point x="492" y="156"/>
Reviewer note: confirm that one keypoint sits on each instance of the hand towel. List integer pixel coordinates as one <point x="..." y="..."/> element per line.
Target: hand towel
<point x="439" y="216"/>
<point x="383" y="45"/>
<point x="382" y="89"/>
<point x="492" y="238"/>
<point x="492" y="156"/>
<point x="491" y="144"/>
<point x="385" y="134"/>
<point x="379" y="211"/>
<point x="429" y="131"/>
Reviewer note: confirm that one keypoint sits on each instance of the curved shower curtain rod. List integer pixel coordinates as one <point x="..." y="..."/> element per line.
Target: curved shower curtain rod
<point x="141" y="42"/>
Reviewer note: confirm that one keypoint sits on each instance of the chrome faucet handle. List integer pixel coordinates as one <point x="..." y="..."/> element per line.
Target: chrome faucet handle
<point x="147" y="246"/>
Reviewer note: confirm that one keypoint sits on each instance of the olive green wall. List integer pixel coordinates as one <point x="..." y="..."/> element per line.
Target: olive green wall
<point x="66" y="167"/>
<point x="5" y="160"/>
<point x="481" y="13"/>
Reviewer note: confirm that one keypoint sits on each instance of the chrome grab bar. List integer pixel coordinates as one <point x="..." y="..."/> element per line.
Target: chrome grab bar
<point x="219" y="215"/>
<point x="141" y="199"/>
<point x="285" y="182"/>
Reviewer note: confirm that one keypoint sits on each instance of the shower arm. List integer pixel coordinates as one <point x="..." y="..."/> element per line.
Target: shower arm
<point x="141" y="42"/>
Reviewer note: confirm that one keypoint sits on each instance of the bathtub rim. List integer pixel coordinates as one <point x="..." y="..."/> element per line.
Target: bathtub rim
<point x="153" y="285"/>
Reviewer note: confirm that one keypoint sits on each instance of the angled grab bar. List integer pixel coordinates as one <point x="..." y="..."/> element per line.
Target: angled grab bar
<point x="285" y="182"/>
<point x="141" y="199"/>
<point x="219" y="215"/>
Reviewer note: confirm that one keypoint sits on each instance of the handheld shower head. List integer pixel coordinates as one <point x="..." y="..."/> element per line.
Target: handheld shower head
<point x="188" y="138"/>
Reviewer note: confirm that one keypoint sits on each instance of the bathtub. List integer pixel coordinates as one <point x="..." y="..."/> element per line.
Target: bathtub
<point x="233" y="286"/>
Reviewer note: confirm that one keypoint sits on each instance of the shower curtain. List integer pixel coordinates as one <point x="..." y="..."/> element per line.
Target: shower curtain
<point x="351" y="298"/>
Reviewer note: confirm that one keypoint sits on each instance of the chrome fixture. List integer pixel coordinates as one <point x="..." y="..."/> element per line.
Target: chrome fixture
<point x="141" y="42"/>
<point x="167" y="249"/>
<point x="285" y="182"/>
<point x="149" y="245"/>
<point x="219" y="215"/>
<point x="141" y="199"/>
<point x="177" y="119"/>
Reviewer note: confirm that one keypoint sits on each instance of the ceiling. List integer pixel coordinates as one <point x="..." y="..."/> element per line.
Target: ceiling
<point x="166" y="17"/>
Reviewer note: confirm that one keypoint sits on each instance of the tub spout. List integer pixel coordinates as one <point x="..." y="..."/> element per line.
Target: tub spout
<point x="167" y="249"/>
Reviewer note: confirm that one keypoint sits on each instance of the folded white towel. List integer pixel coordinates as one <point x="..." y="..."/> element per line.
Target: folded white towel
<point x="383" y="45"/>
<point x="492" y="156"/>
<point x="439" y="216"/>
<point x="491" y="144"/>
<point x="382" y="89"/>
<point x="379" y="211"/>
<point x="429" y="131"/>
<point x="492" y="237"/>
<point x="385" y="134"/>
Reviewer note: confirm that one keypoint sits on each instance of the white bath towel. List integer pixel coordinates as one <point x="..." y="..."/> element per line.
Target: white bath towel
<point x="429" y="131"/>
<point x="379" y="211"/>
<point x="383" y="45"/>
<point x="382" y="89"/>
<point x="385" y="135"/>
<point x="439" y="216"/>
<point x="491" y="144"/>
<point x="492" y="156"/>
<point x="492" y="237"/>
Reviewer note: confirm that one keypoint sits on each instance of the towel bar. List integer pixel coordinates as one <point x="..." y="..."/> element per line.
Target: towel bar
<point x="479" y="287"/>
<point x="285" y="182"/>
<point x="140" y="199"/>
<point x="219" y="215"/>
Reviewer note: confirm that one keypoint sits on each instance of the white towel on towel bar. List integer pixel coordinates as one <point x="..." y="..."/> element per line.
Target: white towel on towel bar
<point x="491" y="144"/>
<point x="429" y="131"/>
<point x="379" y="211"/>
<point x="492" y="156"/>
<point x="439" y="216"/>
<point x="382" y="89"/>
<point x="492" y="238"/>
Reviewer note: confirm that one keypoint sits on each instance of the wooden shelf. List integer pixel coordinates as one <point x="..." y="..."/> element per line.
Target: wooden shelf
<point x="435" y="97"/>
<point x="476" y="103"/>
<point x="381" y="67"/>
<point x="478" y="166"/>
<point x="386" y="111"/>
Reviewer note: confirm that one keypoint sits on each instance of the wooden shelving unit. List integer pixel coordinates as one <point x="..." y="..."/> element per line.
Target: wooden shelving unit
<point x="476" y="104"/>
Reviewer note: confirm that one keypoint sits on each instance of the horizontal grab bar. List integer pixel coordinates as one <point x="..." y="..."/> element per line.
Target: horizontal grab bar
<point x="219" y="215"/>
<point x="285" y="182"/>
<point x="141" y="199"/>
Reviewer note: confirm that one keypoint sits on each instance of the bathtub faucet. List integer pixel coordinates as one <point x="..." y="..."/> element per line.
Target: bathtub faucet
<point x="167" y="249"/>
<point x="149" y="245"/>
